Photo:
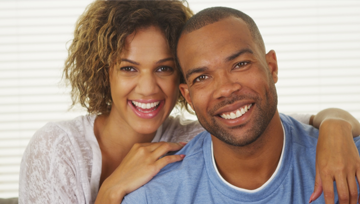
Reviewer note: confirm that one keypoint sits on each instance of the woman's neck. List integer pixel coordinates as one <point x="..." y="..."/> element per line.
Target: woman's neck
<point x="112" y="131"/>
<point x="115" y="139"/>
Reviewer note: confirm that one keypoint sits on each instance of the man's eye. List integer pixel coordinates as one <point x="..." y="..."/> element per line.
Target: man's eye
<point x="241" y="64"/>
<point x="128" y="69"/>
<point x="200" y="78"/>
<point x="165" y="69"/>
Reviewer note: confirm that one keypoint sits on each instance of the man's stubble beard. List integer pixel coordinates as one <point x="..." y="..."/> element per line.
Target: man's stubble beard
<point x="265" y="111"/>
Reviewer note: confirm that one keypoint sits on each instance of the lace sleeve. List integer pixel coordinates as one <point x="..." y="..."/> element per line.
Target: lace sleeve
<point x="304" y="118"/>
<point x="48" y="169"/>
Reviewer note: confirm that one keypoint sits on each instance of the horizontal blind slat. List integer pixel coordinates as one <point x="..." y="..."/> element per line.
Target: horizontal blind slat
<point x="317" y="45"/>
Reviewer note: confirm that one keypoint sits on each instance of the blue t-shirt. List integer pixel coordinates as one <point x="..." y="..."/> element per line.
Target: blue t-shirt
<point x="195" y="180"/>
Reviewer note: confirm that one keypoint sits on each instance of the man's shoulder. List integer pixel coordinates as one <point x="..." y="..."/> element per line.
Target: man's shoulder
<point x="179" y="129"/>
<point x="299" y="133"/>
<point x="175" y="175"/>
<point x="192" y="151"/>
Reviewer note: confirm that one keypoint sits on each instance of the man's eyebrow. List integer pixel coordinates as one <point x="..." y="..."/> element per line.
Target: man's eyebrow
<point x="231" y="57"/>
<point x="237" y="54"/>
<point x="195" y="70"/>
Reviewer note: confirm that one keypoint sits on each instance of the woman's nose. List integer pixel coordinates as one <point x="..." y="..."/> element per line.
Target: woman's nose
<point x="147" y="84"/>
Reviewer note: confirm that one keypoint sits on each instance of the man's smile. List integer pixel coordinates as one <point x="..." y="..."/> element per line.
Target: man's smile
<point x="236" y="113"/>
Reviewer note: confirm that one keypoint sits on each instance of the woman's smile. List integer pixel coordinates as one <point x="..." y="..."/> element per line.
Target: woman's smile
<point x="146" y="110"/>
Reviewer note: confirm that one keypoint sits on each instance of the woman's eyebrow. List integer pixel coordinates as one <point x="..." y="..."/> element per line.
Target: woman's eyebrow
<point x="158" y="62"/>
<point x="127" y="60"/>
<point x="164" y="60"/>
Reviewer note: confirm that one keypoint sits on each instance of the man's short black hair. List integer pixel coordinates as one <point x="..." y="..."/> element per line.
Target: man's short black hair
<point x="215" y="14"/>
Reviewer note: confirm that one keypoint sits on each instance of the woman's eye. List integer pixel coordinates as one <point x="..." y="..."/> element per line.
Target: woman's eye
<point x="241" y="64"/>
<point x="165" y="69"/>
<point x="200" y="78"/>
<point x="128" y="69"/>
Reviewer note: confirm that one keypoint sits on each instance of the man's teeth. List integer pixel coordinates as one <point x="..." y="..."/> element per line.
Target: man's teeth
<point x="145" y="105"/>
<point x="236" y="114"/>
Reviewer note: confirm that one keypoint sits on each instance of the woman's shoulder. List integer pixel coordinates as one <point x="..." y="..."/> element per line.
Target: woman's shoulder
<point x="63" y="135"/>
<point x="74" y="127"/>
<point x="180" y="129"/>
<point x="56" y="157"/>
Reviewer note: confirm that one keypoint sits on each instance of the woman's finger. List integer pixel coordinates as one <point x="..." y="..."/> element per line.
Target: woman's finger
<point x="342" y="188"/>
<point x="317" y="188"/>
<point x="164" y="148"/>
<point x="328" y="188"/>
<point x="150" y="146"/>
<point x="358" y="181"/>
<point x="161" y="163"/>
<point x="353" y="191"/>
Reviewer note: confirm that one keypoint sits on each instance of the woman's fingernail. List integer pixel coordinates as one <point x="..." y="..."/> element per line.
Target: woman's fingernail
<point x="183" y="143"/>
<point x="182" y="156"/>
<point x="311" y="198"/>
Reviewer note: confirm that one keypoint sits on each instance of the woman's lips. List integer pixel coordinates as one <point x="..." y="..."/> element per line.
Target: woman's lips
<point x="146" y="110"/>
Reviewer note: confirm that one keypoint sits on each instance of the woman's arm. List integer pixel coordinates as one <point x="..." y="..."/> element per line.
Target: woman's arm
<point x="49" y="172"/>
<point x="336" y="114"/>
<point x="337" y="158"/>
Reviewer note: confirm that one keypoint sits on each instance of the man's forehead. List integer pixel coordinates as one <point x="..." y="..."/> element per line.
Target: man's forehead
<point x="228" y="23"/>
<point x="230" y="33"/>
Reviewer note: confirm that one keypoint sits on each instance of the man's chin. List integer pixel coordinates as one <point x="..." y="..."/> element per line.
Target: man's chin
<point x="245" y="140"/>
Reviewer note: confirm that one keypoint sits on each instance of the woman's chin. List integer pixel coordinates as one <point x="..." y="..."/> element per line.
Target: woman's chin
<point x="147" y="130"/>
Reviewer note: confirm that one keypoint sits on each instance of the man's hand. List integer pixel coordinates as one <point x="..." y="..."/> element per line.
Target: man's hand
<point x="337" y="159"/>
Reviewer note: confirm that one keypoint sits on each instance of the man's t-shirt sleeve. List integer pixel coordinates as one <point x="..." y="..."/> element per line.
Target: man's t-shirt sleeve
<point x="138" y="196"/>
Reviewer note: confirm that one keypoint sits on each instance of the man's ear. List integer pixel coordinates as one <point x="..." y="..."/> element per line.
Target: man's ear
<point x="272" y="64"/>
<point x="184" y="89"/>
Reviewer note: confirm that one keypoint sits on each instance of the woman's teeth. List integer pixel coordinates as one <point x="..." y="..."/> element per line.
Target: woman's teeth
<point x="236" y="114"/>
<point x="145" y="105"/>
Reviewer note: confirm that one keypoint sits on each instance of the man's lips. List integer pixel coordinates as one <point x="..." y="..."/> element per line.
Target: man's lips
<point x="236" y="113"/>
<point x="234" y="110"/>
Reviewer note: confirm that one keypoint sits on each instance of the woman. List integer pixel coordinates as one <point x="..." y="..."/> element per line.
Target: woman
<point x="121" y="68"/>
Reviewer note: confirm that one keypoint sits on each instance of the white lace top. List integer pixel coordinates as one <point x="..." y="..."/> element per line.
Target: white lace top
<point x="62" y="163"/>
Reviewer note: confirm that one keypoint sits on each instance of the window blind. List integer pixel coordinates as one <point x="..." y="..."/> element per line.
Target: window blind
<point x="33" y="39"/>
<point x="317" y="44"/>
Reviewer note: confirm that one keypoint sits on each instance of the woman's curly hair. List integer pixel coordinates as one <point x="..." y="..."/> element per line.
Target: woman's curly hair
<point x="100" y="36"/>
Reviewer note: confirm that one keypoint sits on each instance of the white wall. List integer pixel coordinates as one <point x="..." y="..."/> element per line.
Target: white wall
<point x="317" y="44"/>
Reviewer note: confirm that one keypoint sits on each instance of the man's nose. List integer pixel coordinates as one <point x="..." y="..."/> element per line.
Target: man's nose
<point x="225" y="86"/>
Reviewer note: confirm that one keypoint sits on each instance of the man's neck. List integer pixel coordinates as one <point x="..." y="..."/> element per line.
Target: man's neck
<point x="250" y="166"/>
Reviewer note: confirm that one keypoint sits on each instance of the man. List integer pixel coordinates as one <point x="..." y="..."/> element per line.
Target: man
<point x="251" y="153"/>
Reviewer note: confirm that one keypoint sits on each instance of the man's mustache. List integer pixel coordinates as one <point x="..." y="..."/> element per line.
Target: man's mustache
<point x="230" y="100"/>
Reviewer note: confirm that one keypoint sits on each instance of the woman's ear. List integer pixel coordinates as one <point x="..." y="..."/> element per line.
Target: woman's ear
<point x="272" y="64"/>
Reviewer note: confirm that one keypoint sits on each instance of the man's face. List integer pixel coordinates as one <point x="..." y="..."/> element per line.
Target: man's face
<point x="230" y="81"/>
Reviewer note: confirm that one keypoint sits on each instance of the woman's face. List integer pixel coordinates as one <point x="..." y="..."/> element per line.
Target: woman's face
<point x="144" y="84"/>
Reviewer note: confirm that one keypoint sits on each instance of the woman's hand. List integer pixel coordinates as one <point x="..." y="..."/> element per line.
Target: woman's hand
<point x="139" y="166"/>
<point x="337" y="159"/>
